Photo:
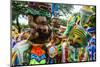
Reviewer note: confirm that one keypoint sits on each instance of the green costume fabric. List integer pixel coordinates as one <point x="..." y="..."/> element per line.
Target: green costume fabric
<point x="79" y="36"/>
<point x="34" y="61"/>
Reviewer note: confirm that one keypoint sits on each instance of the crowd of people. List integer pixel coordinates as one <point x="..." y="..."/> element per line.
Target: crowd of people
<point x="53" y="43"/>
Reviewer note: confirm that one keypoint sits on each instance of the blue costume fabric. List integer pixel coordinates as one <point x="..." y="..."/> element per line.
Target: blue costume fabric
<point x="38" y="58"/>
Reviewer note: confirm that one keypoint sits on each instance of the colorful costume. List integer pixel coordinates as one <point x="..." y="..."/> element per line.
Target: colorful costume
<point x="92" y="44"/>
<point x="18" y="52"/>
<point x="52" y="52"/>
<point x="38" y="56"/>
<point x="77" y="39"/>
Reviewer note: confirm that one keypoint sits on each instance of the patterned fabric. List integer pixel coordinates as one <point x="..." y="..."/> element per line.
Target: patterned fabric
<point x="79" y="37"/>
<point x="51" y="60"/>
<point x="38" y="56"/>
<point x="34" y="61"/>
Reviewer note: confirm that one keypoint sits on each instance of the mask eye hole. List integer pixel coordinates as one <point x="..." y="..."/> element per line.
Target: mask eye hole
<point x="70" y="40"/>
<point x="85" y="27"/>
<point x="13" y="29"/>
<point x="79" y="38"/>
<point x="73" y="36"/>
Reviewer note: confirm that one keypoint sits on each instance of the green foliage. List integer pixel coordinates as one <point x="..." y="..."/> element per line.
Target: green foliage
<point x="63" y="22"/>
<point x="18" y="8"/>
<point x="94" y="9"/>
<point x="38" y="12"/>
<point x="23" y="26"/>
<point x="66" y="8"/>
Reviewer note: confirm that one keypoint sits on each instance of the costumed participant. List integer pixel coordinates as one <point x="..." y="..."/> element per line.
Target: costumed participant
<point x="52" y="49"/>
<point x="77" y="39"/>
<point x="65" y="49"/>
<point x="75" y="18"/>
<point x="55" y="23"/>
<point x="15" y="35"/>
<point x="88" y="22"/>
<point x="38" y="13"/>
<point x="56" y="26"/>
<point x="78" y="20"/>
<point x="32" y="50"/>
<point x="92" y="44"/>
<point x="19" y="48"/>
<point x="91" y="30"/>
<point x="88" y="18"/>
<point x="59" y="30"/>
<point x="85" y="13"/>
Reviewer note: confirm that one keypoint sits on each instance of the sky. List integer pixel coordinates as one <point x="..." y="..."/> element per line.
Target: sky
<point x="76" y="9"/>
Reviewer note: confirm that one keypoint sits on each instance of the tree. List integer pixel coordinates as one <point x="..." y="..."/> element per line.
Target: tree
<point x="18" y="8"/>
<point x="66" y="8"/>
